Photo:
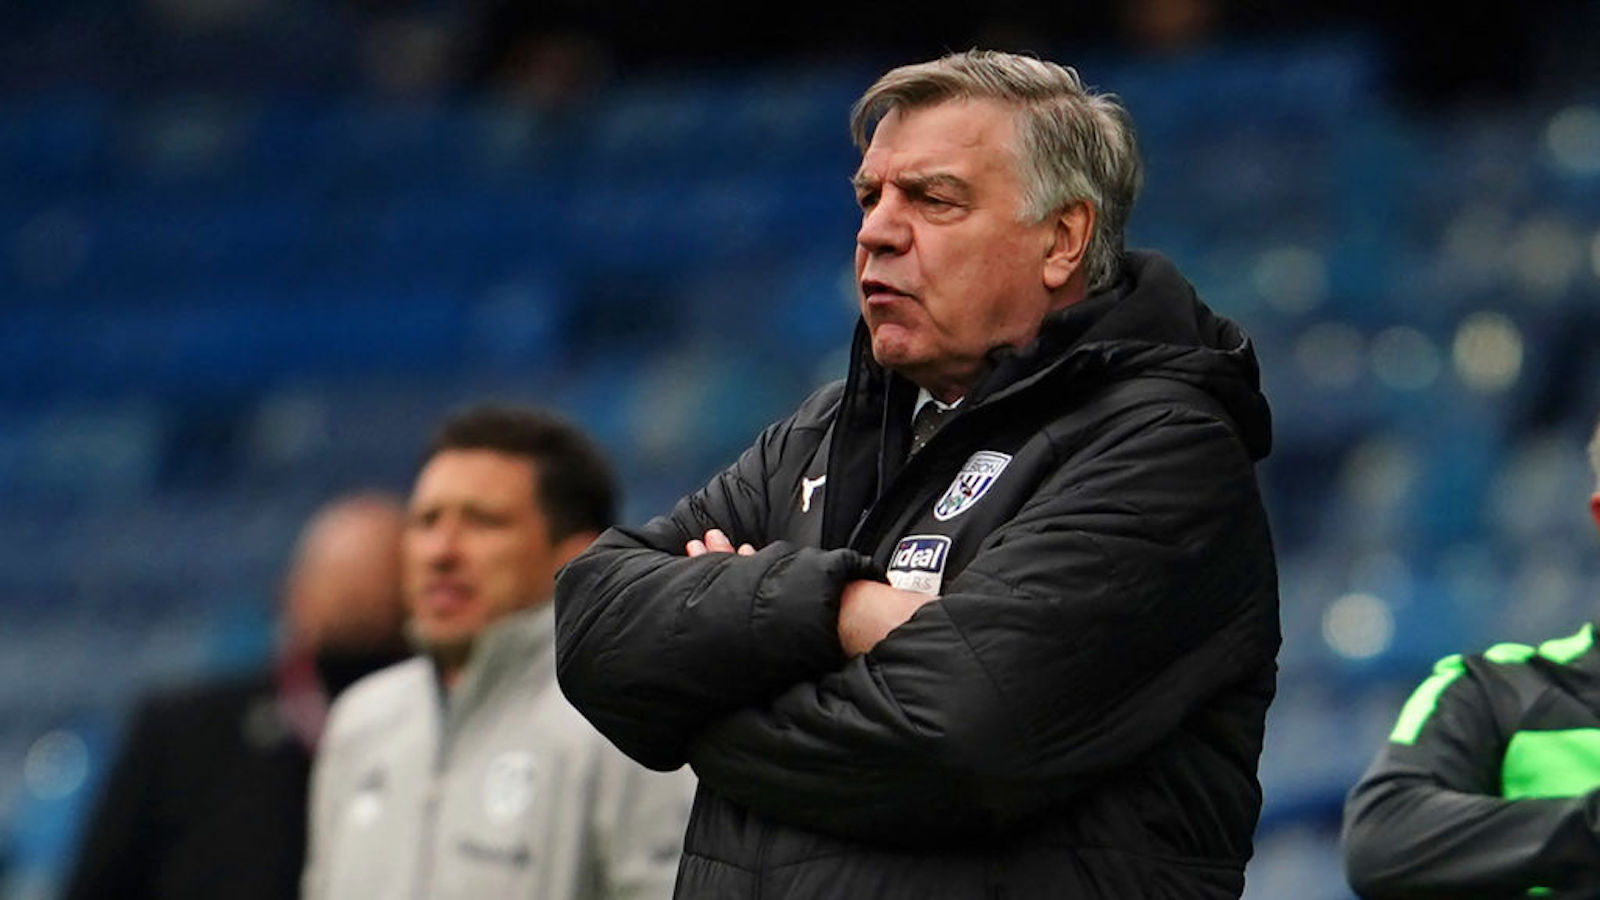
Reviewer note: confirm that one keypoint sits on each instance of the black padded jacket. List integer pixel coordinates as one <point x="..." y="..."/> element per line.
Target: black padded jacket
<point x="1078" y="715"/>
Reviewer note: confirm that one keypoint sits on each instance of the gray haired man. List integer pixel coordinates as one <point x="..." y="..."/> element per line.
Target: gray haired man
<point x="996" y="616"/>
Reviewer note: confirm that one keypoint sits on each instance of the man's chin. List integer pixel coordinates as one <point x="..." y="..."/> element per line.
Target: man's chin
<point x="892" y="349"/>
<point x="446" y="646"/>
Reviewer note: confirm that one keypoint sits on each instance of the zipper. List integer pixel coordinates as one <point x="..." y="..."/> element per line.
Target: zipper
<point x="836" y="441"/>
<point x="909" y="480"/>
<point x="912" y="477"/>
<point x="428" y="838"/>
<point x="762" y="841"/>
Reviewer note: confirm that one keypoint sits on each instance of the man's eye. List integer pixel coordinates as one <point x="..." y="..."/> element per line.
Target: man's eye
<point x="866" y="201"/>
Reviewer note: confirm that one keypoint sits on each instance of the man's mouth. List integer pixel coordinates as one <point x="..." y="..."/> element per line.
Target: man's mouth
<point x="880" y="292"/>
<point x="446" y="596"/>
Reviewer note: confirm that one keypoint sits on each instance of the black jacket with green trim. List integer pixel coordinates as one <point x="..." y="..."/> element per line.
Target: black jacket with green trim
<point x="1079" y="713"/>
<point x="1487" y="785"/>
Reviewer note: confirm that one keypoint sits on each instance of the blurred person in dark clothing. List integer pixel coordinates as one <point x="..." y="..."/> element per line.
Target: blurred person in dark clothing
<point x="207" y="796"/>
<point x="1002" y="619"/>
<point x="1489" y="784"/>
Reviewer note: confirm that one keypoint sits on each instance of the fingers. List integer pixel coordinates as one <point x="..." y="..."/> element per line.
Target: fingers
<point x="717" y="542"/>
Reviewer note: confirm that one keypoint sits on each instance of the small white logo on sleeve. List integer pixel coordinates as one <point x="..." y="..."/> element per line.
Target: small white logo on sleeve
<point x="366" y="806"/>
<point x="508" y="785"/>
<point x="808" y="486"/>
<point x="918" y="563"/>
<point x="977" y="475"/>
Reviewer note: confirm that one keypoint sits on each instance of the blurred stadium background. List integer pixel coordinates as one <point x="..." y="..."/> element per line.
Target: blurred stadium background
<point x="251" y="250"/>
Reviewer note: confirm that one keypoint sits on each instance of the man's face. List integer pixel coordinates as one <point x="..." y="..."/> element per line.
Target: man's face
<point x="477" y="547"/>
<point x="344" y="590"/>
<point x="946" y="269"/>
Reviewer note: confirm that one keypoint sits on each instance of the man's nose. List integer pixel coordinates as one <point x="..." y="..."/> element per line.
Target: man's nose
<point x="443" y="547"/>
<point x="884" y="228"/>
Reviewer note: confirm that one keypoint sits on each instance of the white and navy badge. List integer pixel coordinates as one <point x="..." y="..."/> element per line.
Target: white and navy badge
<point x="977" y="475"/>
<point x="918" y="563"/>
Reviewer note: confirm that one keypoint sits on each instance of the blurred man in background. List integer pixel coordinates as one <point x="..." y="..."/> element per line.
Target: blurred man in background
<point x="1489" y="785"/>
<point x="1004" y="617"/>
<point x="464" y="772"/>
<point x="207" y="797"/>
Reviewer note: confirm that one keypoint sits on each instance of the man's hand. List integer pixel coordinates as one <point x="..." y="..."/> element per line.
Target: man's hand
<point x="869" y="610"/>
<point x="716" y="542"/>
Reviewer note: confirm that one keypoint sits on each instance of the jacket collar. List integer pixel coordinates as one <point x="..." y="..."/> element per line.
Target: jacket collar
<point x="511" y="648"/>
<point x="1150" y="322"/>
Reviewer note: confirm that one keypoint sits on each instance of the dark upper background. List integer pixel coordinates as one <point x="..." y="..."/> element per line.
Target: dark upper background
<point x="250" y="250"/>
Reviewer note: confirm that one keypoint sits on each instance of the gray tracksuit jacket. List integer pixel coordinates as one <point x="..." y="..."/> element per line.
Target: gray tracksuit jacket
<point x="497" y="788"/>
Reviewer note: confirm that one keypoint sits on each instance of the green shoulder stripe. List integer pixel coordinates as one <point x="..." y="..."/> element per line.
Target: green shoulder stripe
<point x="1423" y="700"/>
<point x="1509" y="654"/>
<point x="1565" y="650"/>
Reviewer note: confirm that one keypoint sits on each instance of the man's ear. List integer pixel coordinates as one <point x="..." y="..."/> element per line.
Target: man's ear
<point x="1069" y="242"/>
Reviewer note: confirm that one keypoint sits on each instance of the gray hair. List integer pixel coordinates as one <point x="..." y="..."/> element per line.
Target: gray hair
<point x="1076" y="146"/>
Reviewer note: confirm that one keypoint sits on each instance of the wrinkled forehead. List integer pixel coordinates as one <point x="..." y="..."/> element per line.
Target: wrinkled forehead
<point x="961" y="138"/>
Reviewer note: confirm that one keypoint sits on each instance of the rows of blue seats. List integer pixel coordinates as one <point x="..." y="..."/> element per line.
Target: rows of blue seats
<point x="207" y="290"/>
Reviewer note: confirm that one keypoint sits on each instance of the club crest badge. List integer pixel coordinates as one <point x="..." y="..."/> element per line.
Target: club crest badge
<point x="977" y="475"/>
<point x="918" y="563"/>
<point x="508" y="785"/>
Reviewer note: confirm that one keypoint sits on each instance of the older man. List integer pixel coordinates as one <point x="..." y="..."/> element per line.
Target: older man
<point x="463" y="773"/>
<point x="1489" y="784"/>
<point x="1002" y="616"/>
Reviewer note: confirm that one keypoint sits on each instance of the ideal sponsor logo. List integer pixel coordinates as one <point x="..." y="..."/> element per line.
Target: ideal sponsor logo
<point x="925" y="552"/>
<point x="918" y="561"/>
<point x="977" y="475"/>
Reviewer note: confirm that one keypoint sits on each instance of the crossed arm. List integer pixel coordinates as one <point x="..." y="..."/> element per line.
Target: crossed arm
<point x="1427" y="818"/>
<point x="799" y="685"/>
<point x="868" y="610"/>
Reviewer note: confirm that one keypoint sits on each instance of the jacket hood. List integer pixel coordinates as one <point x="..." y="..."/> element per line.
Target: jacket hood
<point x="1150" y="323"/>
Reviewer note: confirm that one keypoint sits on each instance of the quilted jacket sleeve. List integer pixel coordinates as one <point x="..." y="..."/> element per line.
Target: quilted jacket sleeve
<point x="652" y="645"/>
<point x="1134" y="585"/>
<point x="1427" y="818"/>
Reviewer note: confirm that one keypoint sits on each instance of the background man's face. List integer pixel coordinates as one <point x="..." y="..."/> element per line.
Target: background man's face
<point x="477" y="546"/>
<point x="344" y="589"/>
<point x="945" y="268"/>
